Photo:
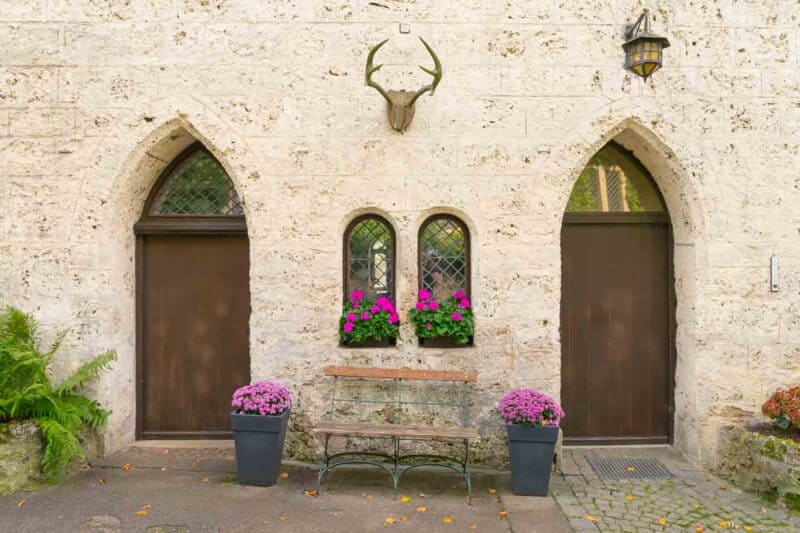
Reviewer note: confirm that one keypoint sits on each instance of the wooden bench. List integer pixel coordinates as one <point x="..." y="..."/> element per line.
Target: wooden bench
<point x="396" y="463"/>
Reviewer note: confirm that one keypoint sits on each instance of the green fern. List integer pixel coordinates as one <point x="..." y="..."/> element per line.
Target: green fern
<point x="27" y="393"/>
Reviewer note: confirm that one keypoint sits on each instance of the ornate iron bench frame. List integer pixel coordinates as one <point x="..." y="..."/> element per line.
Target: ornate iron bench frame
<point x="396" y="464"/>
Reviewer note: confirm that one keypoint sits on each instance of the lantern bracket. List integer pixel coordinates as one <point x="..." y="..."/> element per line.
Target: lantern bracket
<point x="630" y="30"/>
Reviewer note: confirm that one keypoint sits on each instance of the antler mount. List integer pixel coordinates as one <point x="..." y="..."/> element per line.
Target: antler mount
<point x="400" y="104"/>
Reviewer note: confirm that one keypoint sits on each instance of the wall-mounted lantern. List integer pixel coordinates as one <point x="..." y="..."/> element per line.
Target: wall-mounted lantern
<point x="643" y="48"/>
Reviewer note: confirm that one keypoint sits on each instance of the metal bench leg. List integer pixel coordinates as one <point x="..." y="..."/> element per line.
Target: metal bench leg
<point x="467" y="476"/>
<point x="323" y="467"/>
<point x="396" y="471"/>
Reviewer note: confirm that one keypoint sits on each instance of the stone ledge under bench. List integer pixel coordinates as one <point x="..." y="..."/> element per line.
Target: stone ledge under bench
<point x="765" y="464"/>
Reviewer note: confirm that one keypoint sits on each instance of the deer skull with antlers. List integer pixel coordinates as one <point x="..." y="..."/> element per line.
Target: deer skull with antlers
<point x="400" y="104"/>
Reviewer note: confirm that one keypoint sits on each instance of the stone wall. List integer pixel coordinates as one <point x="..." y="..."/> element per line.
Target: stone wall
<point x="765" y="464"/>
<point x="97" y="95"/>
<point x="20" y="456"/>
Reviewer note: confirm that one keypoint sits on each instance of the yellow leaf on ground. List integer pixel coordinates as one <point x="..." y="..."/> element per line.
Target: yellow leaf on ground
<point x="492" y="491"/>
<point x="310" y="492"/>
<point x="662" y="521"/>
<point x="142" y="512"/>
<point x="405" y="499"/>
<point x="723" y="523"/>
<point x="723" y="487"/>
<point x="101" y="481"/>
<point x="423" y="495"/>
<point x="447" y="520"/>
<point x="502" y="515"/>
<point x="390" y="520"/>
<point x="699" y="528"/>
<point x="284" y="475"/>
<point x="282" y="518"/>
<point x="368" y="497"/>
<point x="404" y="519"/>
<point x="473" y="526"/>
<point x="629" y="497"/>
<point x="127" y="466"/>
<point x="748" y="528"/>
<point x="21" y="502"/>
<point x="590" y="518"/>
<point x="421" y="509"/>
<point x="206" y="480"/>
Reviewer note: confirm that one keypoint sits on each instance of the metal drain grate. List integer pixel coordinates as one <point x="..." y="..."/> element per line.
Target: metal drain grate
<point x="628" y="468"/>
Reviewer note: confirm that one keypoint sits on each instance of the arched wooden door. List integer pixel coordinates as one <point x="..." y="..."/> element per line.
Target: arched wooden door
<point x="617" y="342"/>
<point x="193" y="301"/>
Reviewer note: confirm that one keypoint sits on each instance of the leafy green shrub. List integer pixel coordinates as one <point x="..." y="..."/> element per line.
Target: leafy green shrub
<point x="26" y="392"/>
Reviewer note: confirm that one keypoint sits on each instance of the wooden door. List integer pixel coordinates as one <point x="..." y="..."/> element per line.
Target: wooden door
<point x="195" y="308"/>
<point x="616" y="336"/>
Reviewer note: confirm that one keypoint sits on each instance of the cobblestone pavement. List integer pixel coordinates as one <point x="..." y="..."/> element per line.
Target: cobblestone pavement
<point x="693" y="501"/>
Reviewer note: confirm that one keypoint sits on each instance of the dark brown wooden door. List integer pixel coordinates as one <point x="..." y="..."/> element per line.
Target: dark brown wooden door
<point x="616" y="329"/>
<point x="195" y="305"/>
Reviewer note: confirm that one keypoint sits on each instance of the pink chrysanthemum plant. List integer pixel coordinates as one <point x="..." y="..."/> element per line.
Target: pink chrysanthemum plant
<point x="364" y="320"/>
<point x="262" y="398"/>
<point x="451" y="317"/>
<point x="529" y="407"/>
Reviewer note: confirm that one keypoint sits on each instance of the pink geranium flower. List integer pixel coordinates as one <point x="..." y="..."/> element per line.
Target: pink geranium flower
<point x="420" y="306"/>
<point x="352" y="317"/>
<point x="459" y="295"/>
<point x="357" y="295"/>
<point x="456" y="317"/>
<point x="434" y="305"/>
<point x="348" y="327"/>
<point x="365" y="316"/>
<point x="424" y="295"/>
<point x="394" y="318"/>
<point x="375" y="309"/>
<point x="464" y="303"/>
<point x="429" y="325"/>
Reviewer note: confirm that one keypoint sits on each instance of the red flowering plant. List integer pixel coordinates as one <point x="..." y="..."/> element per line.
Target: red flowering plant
<point x="529" y="407"/>
<point x="784" y="408"/>
<point x="451" y="317"/>
<point x="362" y="319"/>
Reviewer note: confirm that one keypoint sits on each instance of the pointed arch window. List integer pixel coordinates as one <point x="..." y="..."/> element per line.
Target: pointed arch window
<point x="444" y="256"/>
<point x="369" y="257"/>
<point x="196" y="185"/>
<point x="615" y="182"/>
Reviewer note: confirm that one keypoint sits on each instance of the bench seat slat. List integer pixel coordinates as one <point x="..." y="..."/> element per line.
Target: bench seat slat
<point x="392" y="430"/>
<point x="400" y="373"/>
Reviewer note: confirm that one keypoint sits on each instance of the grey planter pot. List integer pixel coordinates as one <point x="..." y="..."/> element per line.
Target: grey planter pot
<point x="531" y="450"/>
<point x="259" y="445"/>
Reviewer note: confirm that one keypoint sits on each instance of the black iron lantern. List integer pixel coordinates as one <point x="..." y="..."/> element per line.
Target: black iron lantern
<point x="643" y="48"/>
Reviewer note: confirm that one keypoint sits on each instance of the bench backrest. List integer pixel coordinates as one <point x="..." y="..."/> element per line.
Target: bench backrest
<point x="398" y="375"/>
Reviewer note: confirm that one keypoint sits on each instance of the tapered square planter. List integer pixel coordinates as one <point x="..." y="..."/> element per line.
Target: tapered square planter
<point x="531" y="450"/>
<point x="259" y="445"/>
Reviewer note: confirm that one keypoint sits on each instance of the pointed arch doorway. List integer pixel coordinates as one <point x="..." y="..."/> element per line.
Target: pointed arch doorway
<point x="192" y="301"/>
<point x="617" y="306"/>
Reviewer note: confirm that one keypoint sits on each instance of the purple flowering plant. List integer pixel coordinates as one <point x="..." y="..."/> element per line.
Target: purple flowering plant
<point x="363" y="319"/>
<point x="529" y="407"/>
<point x="262" y="398"/>
<point x="451" y="317"/>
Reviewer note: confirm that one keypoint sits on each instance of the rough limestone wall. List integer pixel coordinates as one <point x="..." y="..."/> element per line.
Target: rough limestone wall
<point x="96" y="96"/>
<point x="20" y="456"/>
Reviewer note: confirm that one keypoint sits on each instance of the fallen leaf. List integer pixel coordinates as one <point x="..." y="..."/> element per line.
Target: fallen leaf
<point x="492" y="491"/>
<point x="146" y="506"/>
<point x="748" y="528"/>
<point x="21" y="502"/>
<point x="368" y="497"/>
<point x="101" y="481"/>
<point x="723" y="487"/>
<point x="165" y="450"/>
<point x="631" y="468"/>
<point x="723" y="523"/>
<point x="423" y="495"/>
<point x="699" y="528"/>
<point x="404" y="519"/>
<point x="310" y="492"/>
<point x="473" y="526"/>
<point x="390" y="520"/>
<point x="145" y="510"/>
<point x="662" y="521"/>
<point x="282" y="518"/>
<point x="502" y="515"/>
<point x="127" y="466"/>
<point x="284" y="475"/>
<point x="421" y="509"/>
<point x="590" y="518"/>
<point x="405" y="499"/>
<point x="206" y="480"/>
<point x="629" y="497"/>
<point x="86" y="467"/>
<point x="698" y="506"/>
<point x="447" y="520"/>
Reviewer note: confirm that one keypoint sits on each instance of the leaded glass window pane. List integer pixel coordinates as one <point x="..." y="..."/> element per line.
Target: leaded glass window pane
<point x="614" y="182"/>
<point x="369" y="244"/>
<point x="444" y="257"/>
<point x="198" y="186"/>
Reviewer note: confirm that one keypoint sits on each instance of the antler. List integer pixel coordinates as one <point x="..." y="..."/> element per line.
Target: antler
<point x="370" y="70"/>
<point x="436" y="73"/>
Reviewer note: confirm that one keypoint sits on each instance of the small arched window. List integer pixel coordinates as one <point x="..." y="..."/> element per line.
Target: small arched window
<point x="369" y="252"/>
<point x="444" y="262"/>
<point x="195" y="185"/>
<point x="615" y="182"/>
